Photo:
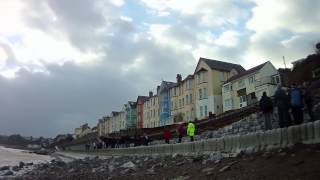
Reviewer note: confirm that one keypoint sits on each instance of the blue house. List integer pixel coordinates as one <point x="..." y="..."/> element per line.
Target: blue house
<point x="164" y="102"/>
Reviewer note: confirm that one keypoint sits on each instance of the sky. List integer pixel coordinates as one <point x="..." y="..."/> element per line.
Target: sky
<point x="65" y="63"/>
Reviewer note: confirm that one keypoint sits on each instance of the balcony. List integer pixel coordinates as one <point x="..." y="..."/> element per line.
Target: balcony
<point x="266" y="80"/>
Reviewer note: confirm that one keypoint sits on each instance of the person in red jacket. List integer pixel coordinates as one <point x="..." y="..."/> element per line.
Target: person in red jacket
<point x="166" y="135"/>
<point x="180" y="131"/>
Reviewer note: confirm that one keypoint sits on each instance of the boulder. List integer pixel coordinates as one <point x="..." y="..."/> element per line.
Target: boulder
<point x="128" y="165"/>
<point x="4" y="168"/>
<point x="225" y="168"/>
<point x="8" y="173"/>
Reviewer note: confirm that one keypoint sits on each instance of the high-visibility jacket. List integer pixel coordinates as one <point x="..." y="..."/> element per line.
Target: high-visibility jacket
<point x="191" y="129"/>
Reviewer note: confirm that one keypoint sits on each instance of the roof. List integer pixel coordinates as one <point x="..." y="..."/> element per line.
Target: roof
<point x="249" y="71"/>
<point x="143" y="98"/>
<point x="188" y="77"/>
<point x="220" y="65"/>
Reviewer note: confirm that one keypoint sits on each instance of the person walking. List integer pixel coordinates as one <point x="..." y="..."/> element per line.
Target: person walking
<point x="179" y="132"/>
<point x="308" y="100"/>
<point x="191" y="130"/>
<point x="267" y="108"/>
<point x="296" y="104"/>
<point x="283" y="105"/>
<point x="166" y="135"/>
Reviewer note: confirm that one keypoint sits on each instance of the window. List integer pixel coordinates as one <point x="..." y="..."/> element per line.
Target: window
<point x="200" y="94"/>
<point x="179" y="103"/>
<point x="201" y="111"/>
<point x="226" y="88"/>
<point x="171" y="105"/>
<point x="241" y="83"/>
<point x="276" y="79"/>
<point x="221" y="76"/>
<point x="190" y="98"/>
<point x="182" y="102"/>
<point x="187" y="99"/>
<point x="198" y="78"/>
<point x="205" y="93"/>
<point x="227" y="103"/>
<point x="203" y="77"/>
<point x="243" y="99"/>
<point x="175" y="105"/>
<point x="205" y="110"/>
<point x="251" y="80"/>
<point x="174" y="91"/>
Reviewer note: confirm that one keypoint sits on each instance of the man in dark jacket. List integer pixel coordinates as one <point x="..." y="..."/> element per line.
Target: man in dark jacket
<point x="282" y="102"/>
<point x="267" y="108"/>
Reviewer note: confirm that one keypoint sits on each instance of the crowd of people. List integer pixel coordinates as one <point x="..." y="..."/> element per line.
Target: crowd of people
<point x="293" y="100"/>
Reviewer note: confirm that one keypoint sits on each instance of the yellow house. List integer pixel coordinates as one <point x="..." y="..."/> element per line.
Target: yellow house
<point x="151" y="111"/>
<point x="182" y="104"/>
<point x="247" y="87"/>
<point x="209" y="76"/>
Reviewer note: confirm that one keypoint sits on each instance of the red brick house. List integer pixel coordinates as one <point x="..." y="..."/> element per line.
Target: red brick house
<point x="140" y="102"/>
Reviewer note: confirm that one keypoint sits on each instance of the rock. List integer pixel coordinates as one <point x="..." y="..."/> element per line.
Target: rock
<point x="110" y="168"/>
<point x="60" y="163"/>
<point x="21" y="164"/>
<point x="225" y="168"/>
<point x="209" y="173"/>
<point x="232" y="163"/>
<point x="4" y="168"/>
<point x="29" y="164"/>
<point x="8" y="173"/>
<point x="128" y="165"/>
<point x="181" y="178"/>
<point x="146" y="159"/>
<point x="16" y="168"/>
<point x="298" y="163"/>
<point x="151" y="172"/>
<point x="174" y="155"/>
<point x="179" y="163"/>
<point x="197" y="159"/>
<point x="207" y="170"/>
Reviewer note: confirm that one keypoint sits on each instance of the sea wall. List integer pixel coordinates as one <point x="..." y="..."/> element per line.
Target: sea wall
<point x="307" y="133"/>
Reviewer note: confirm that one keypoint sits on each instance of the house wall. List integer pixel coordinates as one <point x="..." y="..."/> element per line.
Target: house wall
<point x="262" y="83"/>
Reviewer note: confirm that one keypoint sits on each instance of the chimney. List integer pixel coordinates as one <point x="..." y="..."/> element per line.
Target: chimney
<point x="179" y="78"/>
<point x="150" y="93"/>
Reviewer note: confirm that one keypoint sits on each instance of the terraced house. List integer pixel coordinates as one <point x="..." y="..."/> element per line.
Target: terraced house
<point x="247" y="87"/>
<point x="130" y="114"/>
<point x="151" y="111"/>
<point x="140" y="106"/>
<point x="182" y="99"/>
<point x="164" y="102"/>
<point x="209" y="76"/>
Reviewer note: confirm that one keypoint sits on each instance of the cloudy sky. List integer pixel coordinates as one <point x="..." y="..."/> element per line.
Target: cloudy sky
<point x="67" y="62"/>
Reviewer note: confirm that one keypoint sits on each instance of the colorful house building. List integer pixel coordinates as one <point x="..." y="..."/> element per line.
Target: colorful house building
<point x="140" y="105"/>
<point x="151" y="112"/>
<point x="209" y="76"/>
<point x="247" y="87"/>
<point x="131" y="114"/>
<point x="164" y="102"/>
<point x="182" y="99"/>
